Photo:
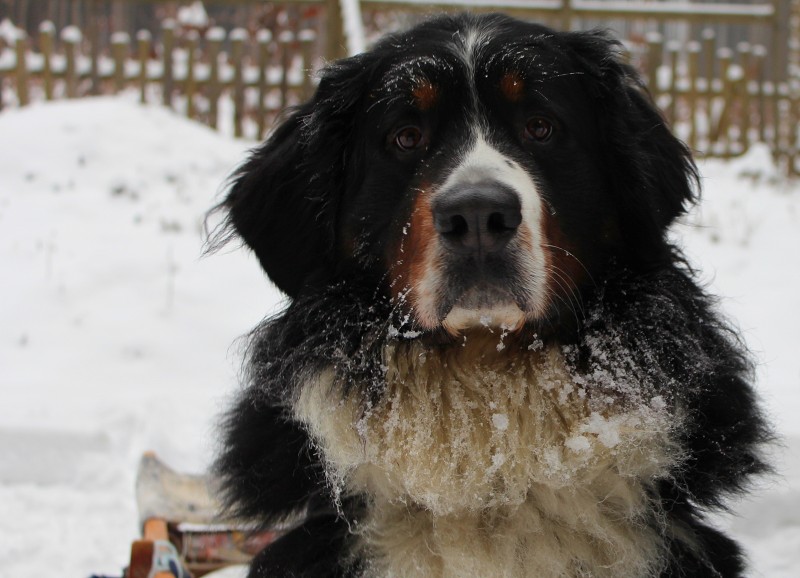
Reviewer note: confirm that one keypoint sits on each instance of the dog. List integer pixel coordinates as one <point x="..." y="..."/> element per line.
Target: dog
<point x="493" y="362"/>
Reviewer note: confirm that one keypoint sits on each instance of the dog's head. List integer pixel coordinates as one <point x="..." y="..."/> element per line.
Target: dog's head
<point x="478" y="169"/>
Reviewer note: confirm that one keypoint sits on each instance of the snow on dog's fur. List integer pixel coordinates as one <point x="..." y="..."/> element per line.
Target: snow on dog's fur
<point x="493" y="362"/>
<point x="511" y="466"/>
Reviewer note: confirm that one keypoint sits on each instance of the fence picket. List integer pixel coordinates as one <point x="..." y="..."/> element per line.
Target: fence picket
<point x="773" y="106"/>
<point x="215" y="38"/>
<point x="655" y="50"/>
<point x="746" y="59"/>
<point x="709" y="47"/>
<point x="793" y="142"/>
<point x="167" y="45"/>
<point x="22" y="68"/>
<point x="725" y="57"/>
<point x="285" y="40"/>
<point x="264" y="37"/>
<point x="759" y="55"/>
<point x="693" y="69"/>
<point x="673" y="49"/>
<point x="71" y="37"/>
<point x="93" y="34"/>
<point x="720" y="102"/>
<point x="143" y="39"/>
<point x="193" y="40"/>
<point x="307" y="39"/>
<point x="46" y="40"/>
<point x="119" y="51"/>
<point x="237" y="38"/>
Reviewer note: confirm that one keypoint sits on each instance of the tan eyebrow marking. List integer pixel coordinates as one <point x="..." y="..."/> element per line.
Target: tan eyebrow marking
<point x="512" y="86"/>
<point x="425" y="94"/>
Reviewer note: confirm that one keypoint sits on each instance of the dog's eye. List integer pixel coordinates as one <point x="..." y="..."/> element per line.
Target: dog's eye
<point x="409" y="138"/>
<point x="538" y="129"/>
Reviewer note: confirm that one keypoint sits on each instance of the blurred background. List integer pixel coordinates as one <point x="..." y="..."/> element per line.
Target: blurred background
<point x="120" y="121"/>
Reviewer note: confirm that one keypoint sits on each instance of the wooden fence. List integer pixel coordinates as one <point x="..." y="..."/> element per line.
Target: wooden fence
<point x="256" y="73"/>
<point x="721" y="99"/>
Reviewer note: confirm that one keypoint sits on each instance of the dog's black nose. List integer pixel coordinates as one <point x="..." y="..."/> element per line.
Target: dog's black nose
<point x="477" y="218"/>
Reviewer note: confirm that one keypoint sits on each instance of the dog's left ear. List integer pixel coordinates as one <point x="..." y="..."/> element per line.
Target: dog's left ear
<point x="651" y="172"/>
<point x="283" y="200"/>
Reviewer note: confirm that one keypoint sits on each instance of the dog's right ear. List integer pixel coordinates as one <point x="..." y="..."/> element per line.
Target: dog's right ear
<point x="283" y="200"/>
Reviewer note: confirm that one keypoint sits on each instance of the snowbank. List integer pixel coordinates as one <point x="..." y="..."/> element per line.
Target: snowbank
<point x="116" y="336"/>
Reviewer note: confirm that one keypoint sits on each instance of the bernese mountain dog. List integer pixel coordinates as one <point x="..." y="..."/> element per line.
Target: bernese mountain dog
<point x="493" y="361"/>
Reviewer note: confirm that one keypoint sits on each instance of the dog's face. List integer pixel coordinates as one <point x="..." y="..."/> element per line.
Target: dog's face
<point x="479" y="170"/>
<point x="481" y="191"/>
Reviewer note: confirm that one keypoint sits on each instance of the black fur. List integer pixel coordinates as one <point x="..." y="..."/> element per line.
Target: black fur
<point x="306" y="203"/>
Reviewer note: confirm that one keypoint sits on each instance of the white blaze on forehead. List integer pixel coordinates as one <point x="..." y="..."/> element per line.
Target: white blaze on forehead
<point x="473" y="40"/>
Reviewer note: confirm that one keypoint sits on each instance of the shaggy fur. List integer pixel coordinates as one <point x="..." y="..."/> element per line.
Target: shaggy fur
<point x="492" y="362"/>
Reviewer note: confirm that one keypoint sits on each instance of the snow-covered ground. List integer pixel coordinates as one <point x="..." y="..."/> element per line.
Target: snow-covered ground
<point x="117" y="337"/>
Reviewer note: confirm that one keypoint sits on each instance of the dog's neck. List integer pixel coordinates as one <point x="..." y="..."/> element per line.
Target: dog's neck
<point x="485" y="454"/>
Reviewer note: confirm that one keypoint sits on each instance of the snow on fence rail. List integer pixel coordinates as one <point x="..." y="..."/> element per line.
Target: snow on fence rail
<point x="254" y="75"/>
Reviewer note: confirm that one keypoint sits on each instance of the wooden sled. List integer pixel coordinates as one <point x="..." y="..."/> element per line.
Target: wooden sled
<point x="182" y="534"/>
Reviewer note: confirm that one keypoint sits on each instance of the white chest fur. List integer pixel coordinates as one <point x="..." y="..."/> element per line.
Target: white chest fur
<point x="482" y="461"/>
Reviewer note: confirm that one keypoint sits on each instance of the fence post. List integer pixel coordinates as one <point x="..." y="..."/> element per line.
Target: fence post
<point x="119" y="48"/>
<point x="191" y="85"/>
<point x="71" y="37"/>
<point x="238" y="36"/>
<point x="47" y="33"/>
<point x="22" y="67"/>
<point x="307" y="38"/>
<point x="215" y="37"/>
<point x="263" y="37"/>
<point x="168" y="44"/>
<point x="143" y="39"/>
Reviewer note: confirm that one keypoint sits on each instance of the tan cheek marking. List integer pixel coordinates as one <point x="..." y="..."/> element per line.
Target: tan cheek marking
<point x="512" y="86"/>
<point x="425" y="95"/>
<point x="414" y="255"/>
<point x="565" y="273"/>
